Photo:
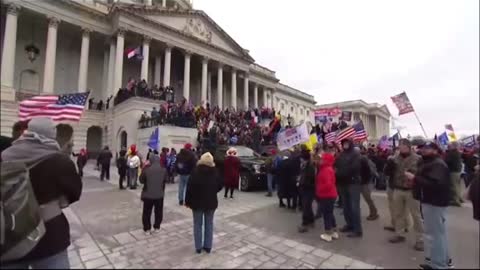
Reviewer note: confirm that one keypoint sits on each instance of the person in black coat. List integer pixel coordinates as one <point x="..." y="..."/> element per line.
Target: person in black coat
<point x="453" y="158"/>
<point x="288" y="171"/>
<point x="104" y="161"/>
<point x="122" y="168"/>
<point x="201" y="197"/>
<point x="432" y="187"/>
<point x="348" y="175"/>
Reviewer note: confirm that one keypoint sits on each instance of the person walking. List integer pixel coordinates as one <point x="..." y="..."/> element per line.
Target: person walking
<point x="153" y="178"/>
<point x="201" y="197"/>
<point x="133" y="163"/>
<point x="432" y="187"/>
<point x="56" y="184"/>
<point x="326" y="194"/>
<point x="171" y="159"/>
<point x="122" y="168"/>
<point x="81" y="161"/>
<point x="184" y="166"/>
<point x="368" y="172"/>
<point x="307" y="189"/>
<point x="453" y="158"/>
<point x="231" y="171"/>
<point x="104" y="160"/>
<point x="403" y="201"/>
<point x="347" y="167"/>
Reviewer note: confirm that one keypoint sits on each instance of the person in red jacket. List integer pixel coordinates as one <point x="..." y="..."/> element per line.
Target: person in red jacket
<point x="326" y="193"/>
<point x="232" y="171"/>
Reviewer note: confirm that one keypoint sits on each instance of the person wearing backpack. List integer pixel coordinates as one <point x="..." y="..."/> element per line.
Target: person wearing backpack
<point x="55" y="182"/>
<point x="368" y="172"/>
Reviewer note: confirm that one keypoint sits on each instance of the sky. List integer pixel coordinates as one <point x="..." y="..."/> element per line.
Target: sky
<point x="339" y="50"/>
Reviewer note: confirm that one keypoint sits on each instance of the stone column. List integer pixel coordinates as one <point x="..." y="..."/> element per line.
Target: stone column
<point x="106" y="54"/>
<point x="83" y="69"/>
<point x="9" y="47"/>
<point x="111" y="68"/>
<point x="166" y="68"/>
<point x="233" y="93"/>
<point x="203" y="98"/>
<point x="265" y="101"/>
<point x="255" y="96"/>
<point x="245" y="91"/>
<point x="164" y="3"/>
<point x="146" y="57"/>
<point x="119" y="59"/>
<point x="220" y="86"/>
<point x="209" y="87"/>
<point x="50" y="55"/>
<point x="148" y="2"/>
<point x="158" y="70"/>
<point x="186" y="75"/>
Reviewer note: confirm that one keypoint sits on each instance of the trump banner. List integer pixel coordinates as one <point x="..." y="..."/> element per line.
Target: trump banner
<point x="346" y="116"/>
<point x="321" y="115"/>
<point x="290" y="137"/>
<point x="403" y="103"/>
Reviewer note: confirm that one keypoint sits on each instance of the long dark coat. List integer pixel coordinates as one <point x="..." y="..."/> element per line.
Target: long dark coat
<point x="232" y="171"/>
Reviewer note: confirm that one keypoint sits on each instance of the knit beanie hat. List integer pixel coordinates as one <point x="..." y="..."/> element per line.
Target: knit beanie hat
<point x="43" y="126"/>
<point x="206" y="159"/>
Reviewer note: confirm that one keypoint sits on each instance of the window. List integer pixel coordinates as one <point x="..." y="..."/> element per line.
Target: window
<point x="301" y="111"/>
<point x="291" y="109"/>
<point x="308" y="112"/>
<point x="283" y="106"/>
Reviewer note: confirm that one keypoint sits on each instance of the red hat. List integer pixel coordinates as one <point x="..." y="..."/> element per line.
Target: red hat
<point x="133" y="149"/>
<point x="188" y="146"/>
<point x="273" y="151"/>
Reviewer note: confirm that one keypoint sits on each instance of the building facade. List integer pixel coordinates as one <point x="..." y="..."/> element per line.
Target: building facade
<point x="68" y="46"/>
<point x="375" y="117"/>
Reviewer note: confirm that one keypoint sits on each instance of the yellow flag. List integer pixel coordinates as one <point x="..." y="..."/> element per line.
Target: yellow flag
<point x="312" y="142"/>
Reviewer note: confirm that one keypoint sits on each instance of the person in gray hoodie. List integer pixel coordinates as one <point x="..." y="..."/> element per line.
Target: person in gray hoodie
<point x="153" y="179"/>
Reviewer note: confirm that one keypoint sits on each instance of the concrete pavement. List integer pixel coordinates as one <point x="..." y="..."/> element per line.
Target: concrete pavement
<point x="250" y="232"/>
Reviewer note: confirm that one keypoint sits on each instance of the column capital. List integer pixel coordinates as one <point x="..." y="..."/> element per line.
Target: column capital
<point x="13" y="9"/>
<point x="168" y="46"/>
<point x="205" y="59"/>
<point x="147" y="39"/>
<point x="53" y="21"/>
<point x="121" y="31"/>
<point x="86" y="32"/>
<point x="220" y="65"/>
<point x="187" y="53"/>
<point x="234" y="70"/>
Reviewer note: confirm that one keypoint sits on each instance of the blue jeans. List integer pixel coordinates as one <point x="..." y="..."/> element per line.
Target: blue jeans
<point x="203" y="227"/>
<point x="435" y="236"/>
<point x="182" y="187"/>
<point x="270" y="179"/>
<point x="327" y="206"/>
<point x="57" y="261"/>
<point x="132" y="176"/>
<point x="351" y="206"/>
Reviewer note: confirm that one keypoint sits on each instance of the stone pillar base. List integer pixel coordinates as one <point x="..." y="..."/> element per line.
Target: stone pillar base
<point x="7" y="93"/>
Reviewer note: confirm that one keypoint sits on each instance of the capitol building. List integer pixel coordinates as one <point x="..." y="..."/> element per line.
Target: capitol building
<point x="70" y="46"/>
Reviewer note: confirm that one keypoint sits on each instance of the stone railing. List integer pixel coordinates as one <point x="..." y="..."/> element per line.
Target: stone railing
<point x="262" y="70"/>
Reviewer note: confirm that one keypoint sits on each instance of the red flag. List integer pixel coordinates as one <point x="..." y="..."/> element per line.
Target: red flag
<point x="403" y="103"/>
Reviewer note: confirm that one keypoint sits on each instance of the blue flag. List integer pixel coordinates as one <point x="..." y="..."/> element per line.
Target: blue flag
<point x="153" y="141"/>
<point x="443" y="139"/>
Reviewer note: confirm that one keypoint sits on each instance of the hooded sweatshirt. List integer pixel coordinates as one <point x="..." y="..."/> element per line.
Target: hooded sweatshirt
<point x="326" y="181"/>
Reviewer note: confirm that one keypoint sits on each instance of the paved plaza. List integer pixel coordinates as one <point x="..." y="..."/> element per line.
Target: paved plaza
<point x="250" y="232"/>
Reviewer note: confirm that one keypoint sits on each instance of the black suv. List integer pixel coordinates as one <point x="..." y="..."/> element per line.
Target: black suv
<point x="252" y="167"/>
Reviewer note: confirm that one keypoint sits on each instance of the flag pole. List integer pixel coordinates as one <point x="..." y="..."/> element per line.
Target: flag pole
<point x="421" y="125"/>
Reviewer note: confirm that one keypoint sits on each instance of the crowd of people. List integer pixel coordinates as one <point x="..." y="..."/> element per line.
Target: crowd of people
<point x="421" y="180"/>
<point x="140" y="88"/>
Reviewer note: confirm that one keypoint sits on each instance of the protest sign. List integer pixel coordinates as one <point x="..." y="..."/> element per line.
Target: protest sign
<point x="292" y="136"/>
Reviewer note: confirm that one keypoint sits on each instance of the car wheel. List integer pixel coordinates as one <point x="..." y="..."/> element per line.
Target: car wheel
<point x="244" y="181"/>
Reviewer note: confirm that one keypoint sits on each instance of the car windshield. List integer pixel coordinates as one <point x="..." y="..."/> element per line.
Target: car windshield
<point x="245" y="152"/>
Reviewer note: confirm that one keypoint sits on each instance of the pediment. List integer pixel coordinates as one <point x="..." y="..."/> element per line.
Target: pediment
<point x="200" y="27"/>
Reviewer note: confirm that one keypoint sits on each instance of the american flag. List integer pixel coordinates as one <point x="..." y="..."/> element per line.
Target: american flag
<point x="330" y="137"/>
<point x="360" y="133"/>
<point x="345" y="134"/>
<point x="58" y="108"/>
